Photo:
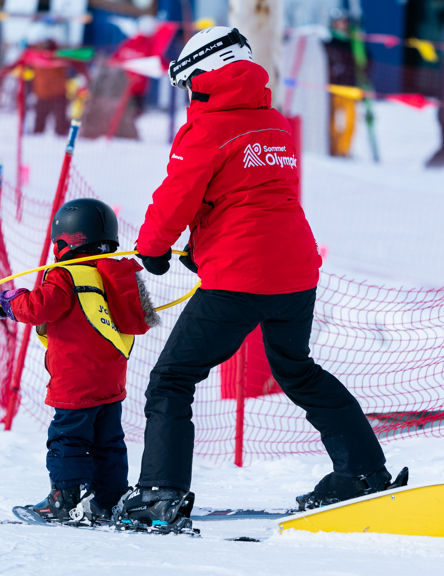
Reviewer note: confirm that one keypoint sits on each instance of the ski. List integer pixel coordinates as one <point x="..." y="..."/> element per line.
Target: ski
<point x="27" y="516"/>
<point x="30" y="517"/>
<point x="204" y="514"/>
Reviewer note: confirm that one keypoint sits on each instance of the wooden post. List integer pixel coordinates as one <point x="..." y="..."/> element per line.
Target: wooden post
<point x="262" y="23"/>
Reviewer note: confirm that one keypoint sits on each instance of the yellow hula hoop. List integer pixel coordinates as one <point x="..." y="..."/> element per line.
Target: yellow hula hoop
<point x="88" y="258"/>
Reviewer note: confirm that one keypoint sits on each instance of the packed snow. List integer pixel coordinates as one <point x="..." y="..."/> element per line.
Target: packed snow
<point x="26" y="550"/>
<point x="381" y="222"/>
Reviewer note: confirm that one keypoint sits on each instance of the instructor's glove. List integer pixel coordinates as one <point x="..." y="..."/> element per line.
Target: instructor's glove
<point x="186" y="260"/>
<point x="157" y="265"/>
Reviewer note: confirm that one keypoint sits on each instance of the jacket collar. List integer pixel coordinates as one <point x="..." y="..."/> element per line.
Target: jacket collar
<point x="237" y="85"/>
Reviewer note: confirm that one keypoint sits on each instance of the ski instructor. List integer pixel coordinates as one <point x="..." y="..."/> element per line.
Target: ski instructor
<point x="233" y="179"/>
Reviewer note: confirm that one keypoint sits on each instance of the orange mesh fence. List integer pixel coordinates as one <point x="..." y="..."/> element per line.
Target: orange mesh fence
<point x="385" y="345"/>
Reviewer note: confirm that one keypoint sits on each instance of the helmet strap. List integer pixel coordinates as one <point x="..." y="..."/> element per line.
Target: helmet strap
<point x="60" y="253"/>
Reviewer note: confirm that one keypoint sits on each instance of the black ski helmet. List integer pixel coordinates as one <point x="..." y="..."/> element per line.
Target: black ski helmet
<point x="85" y="221"/>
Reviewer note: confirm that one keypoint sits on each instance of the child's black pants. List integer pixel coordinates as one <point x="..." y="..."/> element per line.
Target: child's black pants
<point x="86" y="446"/>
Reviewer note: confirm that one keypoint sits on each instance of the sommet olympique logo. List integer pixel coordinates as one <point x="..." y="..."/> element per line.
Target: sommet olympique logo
<point x="272" y="157"/>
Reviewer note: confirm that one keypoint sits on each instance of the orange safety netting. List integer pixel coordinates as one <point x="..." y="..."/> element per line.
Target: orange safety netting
<point x="386" y="345"/>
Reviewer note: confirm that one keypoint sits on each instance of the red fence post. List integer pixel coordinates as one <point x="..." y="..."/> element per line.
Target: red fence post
<point x="296" y="128"/>
<point x="241" y="358"/>
<point x="59" y="199"/>
<point x="21" y="122"/>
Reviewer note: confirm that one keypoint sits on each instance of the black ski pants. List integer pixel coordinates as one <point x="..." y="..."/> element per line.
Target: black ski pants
<point x="209" y="331"/>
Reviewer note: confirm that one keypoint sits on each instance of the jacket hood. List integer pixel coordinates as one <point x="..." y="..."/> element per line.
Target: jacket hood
<point x="128" y="299"/>
<point x="238" y="85"/>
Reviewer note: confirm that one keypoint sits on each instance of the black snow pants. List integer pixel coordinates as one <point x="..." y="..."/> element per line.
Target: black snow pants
<point x="209" y="331"/>
<point x="87" y="446"/>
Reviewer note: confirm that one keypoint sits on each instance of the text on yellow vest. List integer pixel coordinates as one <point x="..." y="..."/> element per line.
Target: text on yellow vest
<point x="88" y="286"/>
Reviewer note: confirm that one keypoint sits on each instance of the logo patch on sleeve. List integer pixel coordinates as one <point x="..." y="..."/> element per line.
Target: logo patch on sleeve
<point x="272" y="158"/>
<point x="251" y="157"/>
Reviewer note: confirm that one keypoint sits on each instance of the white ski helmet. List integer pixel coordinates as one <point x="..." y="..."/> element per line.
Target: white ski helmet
<point x="209" y="50"/>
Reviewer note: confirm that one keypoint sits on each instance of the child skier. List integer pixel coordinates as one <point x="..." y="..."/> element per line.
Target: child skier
<point x="89" y="314"/>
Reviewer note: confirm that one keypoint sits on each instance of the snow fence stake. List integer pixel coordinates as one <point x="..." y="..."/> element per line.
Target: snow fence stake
<point x="59" y="199"/>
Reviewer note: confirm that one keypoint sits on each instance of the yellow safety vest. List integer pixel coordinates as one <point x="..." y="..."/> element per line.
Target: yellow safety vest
<point x="88" y="286"/>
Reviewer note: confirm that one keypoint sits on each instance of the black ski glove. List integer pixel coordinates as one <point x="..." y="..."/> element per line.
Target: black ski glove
<point x="186" y="260"/>
<point x="157" y="265"/>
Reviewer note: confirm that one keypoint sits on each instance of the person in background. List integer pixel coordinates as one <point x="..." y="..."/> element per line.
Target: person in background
<point x="49" y="87"/>
<point x="341" y="68"/>
<point x="437" y="160"/>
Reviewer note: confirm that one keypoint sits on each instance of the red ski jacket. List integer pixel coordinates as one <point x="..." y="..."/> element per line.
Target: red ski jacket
<point x="85" y="369"/>
<point x="233" y="179"/>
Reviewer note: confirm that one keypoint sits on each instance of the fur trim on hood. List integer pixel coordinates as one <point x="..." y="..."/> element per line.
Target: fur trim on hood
<point x="128" y="299"/>
<point x="151" y="317"/>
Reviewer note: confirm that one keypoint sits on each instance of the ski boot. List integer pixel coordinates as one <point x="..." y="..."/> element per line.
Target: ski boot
<point x="71" y="505"/>
<point x="118" y="508"/>
<point x="87" y="510"/>
<point x="335" y="487"/>
<point x="156" y="510"/>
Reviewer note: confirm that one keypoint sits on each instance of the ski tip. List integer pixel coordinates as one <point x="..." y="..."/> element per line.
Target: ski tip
<point x="29" y="516"/>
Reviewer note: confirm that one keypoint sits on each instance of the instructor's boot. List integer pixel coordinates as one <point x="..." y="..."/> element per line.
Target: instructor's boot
<point x="162" y="509"/>
<point x="335" y="487"/>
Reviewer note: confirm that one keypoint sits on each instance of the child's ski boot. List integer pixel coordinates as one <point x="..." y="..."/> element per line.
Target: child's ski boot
<point x="71" y="505"/>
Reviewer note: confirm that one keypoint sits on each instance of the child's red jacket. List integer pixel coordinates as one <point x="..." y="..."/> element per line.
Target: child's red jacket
<point x="85" y="369"/>
<point x="233" y="179"/>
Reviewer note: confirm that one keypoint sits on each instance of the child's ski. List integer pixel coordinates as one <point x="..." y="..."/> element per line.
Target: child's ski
<point x="27" y="516"/>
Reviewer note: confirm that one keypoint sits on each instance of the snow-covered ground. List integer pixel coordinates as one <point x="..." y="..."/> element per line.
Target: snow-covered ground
<point x="380" y="222"/>
<point x="29" y="550"/>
